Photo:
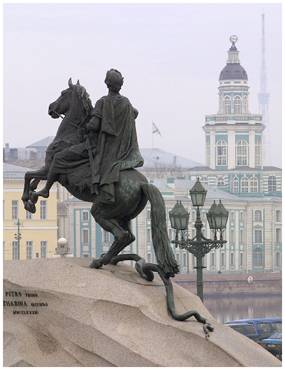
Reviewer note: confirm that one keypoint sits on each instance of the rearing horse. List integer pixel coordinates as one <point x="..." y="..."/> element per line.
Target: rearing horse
<point x="131" y="192"/>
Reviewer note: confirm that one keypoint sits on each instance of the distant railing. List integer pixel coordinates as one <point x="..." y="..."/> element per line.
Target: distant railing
<point x="233" y="117"/>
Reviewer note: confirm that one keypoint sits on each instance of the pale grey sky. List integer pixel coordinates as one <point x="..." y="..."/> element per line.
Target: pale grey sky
<point x="170" y="56"/>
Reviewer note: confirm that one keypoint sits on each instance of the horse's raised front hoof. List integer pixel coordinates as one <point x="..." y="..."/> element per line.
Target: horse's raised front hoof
<point x="96" y="264"/>
<point x="30" y="206"/>
<point x="34" y="197"/>
<point x="25" y="198"/>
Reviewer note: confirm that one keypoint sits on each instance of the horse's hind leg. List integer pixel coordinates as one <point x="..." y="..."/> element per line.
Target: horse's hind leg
<point x="126" y="225"/>
<point x="121" y="235"/>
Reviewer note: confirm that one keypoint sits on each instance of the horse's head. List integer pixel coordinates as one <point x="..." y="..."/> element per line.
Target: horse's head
<point x="75" y="96"/>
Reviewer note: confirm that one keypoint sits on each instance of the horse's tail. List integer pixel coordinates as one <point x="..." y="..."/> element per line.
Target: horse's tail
<point x="163" y="252"/>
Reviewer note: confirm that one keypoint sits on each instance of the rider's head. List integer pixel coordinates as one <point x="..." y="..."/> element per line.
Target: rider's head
<point x="114" y="80"/>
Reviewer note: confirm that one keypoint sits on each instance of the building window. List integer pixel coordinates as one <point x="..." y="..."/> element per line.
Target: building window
<point x="213" y="259"/>
<point x="241" y="217"/>
<point x="232" y="237"/>
<point x="43" y="209"/>
<point x="277" y="260"/>
<point x="257" y="257"/>
<point x="85" y="236"/>
<point x="244" y="185"/>
<point x="29" y="250"/>
<point x="257" y="216"/>
<point x="148" y="236"/>
<point x="232" y="259"/>
<point x="15" y="213"/>
<point x="222" y="259"/>
<point x="85" y="216"/>
<point x="278" y="215"/>
<point x="227" y="105"/>
<point x="148" y="214"/>
<point x="106" y="236"/>
<point x="253" y="184"/>
<point x="178" y="258"/>
<point x="15" y="250"/>
<point x="235" y="185"/>
<point x="237" y="105"/>
<point x="242" y="153"/>
<point x="184" y="260"/>
<point x="221" y="153"/>
<point x="271" y="184"/>
<point x="258" y="236"/>
<point x="258" y="151"/>
<point x="241" y="236"/>
<point x="43" y="249"/>
<point x="28" y="215"/>
<point x="278" y="236"/>
<point x="148" y="257"/>
<point x="241" y="259"/>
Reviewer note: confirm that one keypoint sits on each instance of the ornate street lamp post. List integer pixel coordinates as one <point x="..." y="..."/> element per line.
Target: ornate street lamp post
<point x="199" y="245"/>
<point x="18" y="237"/>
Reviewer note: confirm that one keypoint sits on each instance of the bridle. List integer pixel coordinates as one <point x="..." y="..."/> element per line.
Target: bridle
<point x="70" y="121"/>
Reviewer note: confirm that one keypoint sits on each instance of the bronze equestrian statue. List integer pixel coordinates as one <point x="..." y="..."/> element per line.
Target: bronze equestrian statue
<point x="94" y="155"/>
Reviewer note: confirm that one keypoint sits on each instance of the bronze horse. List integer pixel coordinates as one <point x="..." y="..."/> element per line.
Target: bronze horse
<point x="131" y="195"/>
<point x="131" y="192"/>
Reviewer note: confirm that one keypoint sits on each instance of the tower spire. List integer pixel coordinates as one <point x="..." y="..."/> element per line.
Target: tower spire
<point x="263" y="96"/>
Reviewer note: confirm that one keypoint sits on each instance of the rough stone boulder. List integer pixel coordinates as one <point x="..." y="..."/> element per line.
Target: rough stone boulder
<point x="66" y="314"/>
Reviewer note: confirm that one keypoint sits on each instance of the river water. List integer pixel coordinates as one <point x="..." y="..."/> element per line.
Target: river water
<point x="240" y="307"/>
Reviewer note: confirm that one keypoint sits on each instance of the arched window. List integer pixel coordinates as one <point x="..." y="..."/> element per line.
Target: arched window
<point x="242" y="153"/>
<point x="221" y="153"/>
<point x="253" y="184"/>
<point x="227" y="105"/>
<point x="258" y="216"/>
<point x="271" y="184"/>
<point x="237" y="105"/>
<point x="235" y="185"/>
<point x="244" y="185"/>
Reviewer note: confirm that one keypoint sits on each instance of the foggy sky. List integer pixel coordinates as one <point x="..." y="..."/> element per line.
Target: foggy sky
<point x="169" y="55"/>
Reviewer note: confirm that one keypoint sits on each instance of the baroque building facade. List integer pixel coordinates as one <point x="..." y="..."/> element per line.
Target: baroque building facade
<point x="234" y="139"/>
<point x="38" y="231"/>
<point x="253" y="231"/>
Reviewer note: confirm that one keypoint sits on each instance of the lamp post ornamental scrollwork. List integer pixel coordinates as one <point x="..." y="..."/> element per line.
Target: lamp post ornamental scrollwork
<point x="199" y="245"/>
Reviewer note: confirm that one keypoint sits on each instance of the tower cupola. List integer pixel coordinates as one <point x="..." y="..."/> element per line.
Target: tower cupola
<point x="233" y="70"/>
<point x="233" y="89"/>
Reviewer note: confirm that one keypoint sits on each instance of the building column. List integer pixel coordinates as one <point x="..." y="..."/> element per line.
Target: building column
<point x="268" y="235"/>
<point x="237" y="241"/>
<point x="231" y="150"/>
<point x="212" y="150"/>
<point x="251" y="148"/>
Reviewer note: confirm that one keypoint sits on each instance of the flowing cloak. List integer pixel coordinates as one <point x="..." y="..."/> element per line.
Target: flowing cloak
<point x="117" y="146"/>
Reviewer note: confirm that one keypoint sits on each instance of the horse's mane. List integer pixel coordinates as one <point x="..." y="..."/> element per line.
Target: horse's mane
<point x="84" y="96"/>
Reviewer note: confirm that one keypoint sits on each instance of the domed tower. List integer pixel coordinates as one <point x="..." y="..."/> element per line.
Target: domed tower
<point x="233" y="89"/>
<point x="233" y="135"/>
